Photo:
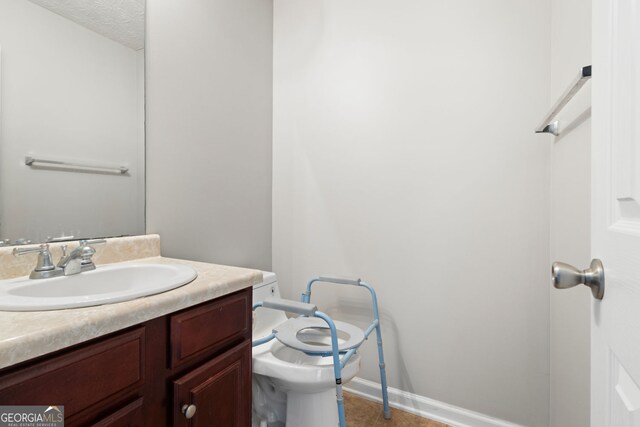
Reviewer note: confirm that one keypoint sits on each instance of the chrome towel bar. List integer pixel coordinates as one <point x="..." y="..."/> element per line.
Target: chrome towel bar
<point x="30" y="161"/>
<point x="548" y="124"/>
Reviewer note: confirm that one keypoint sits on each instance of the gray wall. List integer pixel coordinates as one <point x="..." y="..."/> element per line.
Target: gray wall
<point x="209" y="106"/>
<point x="404" y="154"/>
<point x="570" y="219"/>
<point x="209" y="103"/>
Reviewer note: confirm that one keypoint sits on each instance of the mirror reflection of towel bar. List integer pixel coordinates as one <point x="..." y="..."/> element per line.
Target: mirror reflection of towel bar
<point x="549" y="125"/>
<point x="31" y="161"/>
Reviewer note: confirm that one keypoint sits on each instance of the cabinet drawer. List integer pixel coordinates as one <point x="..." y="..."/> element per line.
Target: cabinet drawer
<point x="128" y="416"/>
<point x="80" y="379"/>
<point x="202" y="330"/>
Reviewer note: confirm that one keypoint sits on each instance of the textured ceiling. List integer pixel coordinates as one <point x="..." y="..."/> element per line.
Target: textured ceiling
<point x="119" y="20"/>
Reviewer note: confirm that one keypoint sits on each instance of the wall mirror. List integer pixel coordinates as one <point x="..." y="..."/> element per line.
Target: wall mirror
<point x="71" y="119"/>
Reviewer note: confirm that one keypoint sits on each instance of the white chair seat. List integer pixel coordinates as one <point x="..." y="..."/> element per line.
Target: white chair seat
<point x="312" y="336"/>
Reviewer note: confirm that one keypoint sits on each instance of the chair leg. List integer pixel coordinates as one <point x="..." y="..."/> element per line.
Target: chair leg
<point x="337" y="367"/>
<point x="340" y="401"/>
<point x="383" y="376"/>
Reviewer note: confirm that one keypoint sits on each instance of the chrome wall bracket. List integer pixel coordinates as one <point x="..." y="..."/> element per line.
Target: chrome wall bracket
<point x="553" y="128"/>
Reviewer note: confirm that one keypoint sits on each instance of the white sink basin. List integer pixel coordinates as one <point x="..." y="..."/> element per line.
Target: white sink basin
<point x="104" y="285"/>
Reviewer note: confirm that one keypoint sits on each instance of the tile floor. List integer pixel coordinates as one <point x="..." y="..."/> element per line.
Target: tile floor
<point x="365" y="413"/>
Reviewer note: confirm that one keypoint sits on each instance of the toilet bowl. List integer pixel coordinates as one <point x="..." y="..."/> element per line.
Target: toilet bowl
<point x="291" y="387"/>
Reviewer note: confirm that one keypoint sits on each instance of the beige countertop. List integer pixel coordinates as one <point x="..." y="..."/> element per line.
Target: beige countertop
<point x="29" y="334"/>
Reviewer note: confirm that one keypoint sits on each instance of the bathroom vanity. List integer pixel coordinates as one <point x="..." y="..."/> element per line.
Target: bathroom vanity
<point x="198" y="358"/>
<point x="177" y="358"/>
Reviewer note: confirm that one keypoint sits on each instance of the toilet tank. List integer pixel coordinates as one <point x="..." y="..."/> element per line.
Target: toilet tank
<point x="265" y="319"/>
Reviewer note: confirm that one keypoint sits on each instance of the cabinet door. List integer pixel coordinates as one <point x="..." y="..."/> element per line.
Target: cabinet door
<point x="220" y="390"/>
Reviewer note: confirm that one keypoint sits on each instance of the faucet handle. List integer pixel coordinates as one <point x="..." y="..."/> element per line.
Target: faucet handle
<point x="22" y="251"/>
<point x="45" y="263"/>
<point x="87" y="250"/>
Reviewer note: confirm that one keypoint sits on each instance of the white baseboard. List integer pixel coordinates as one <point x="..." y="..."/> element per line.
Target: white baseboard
<point x="425" y="407"/>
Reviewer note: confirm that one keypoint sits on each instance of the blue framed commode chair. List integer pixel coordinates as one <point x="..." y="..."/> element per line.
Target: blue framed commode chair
<point x="300" y="363"/>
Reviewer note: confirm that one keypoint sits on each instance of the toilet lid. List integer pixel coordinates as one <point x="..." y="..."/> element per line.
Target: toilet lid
<point x="312" y="335"/>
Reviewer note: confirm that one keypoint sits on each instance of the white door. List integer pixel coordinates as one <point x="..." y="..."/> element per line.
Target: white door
<point x="615" y="321"/>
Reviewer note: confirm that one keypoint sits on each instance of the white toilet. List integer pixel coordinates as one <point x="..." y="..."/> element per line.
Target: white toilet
<point x="290" y="387"/>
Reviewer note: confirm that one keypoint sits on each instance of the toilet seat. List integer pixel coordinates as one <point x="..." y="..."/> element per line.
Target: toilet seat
<point x="290" y="333"/>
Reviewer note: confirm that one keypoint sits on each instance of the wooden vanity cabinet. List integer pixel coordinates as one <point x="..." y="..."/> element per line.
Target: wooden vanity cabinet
<point x="144" y="375"/>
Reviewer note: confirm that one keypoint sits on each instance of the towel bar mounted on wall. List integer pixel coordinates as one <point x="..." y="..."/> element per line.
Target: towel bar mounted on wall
<point x="62" y="164"/>
<point x="549" y="125"/>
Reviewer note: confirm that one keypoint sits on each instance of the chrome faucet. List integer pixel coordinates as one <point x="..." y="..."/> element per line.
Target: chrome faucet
<point x="77" y="261"/>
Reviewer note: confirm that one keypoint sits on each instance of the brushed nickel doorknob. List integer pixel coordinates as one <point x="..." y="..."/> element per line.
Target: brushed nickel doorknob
<point x="567" y="276"/>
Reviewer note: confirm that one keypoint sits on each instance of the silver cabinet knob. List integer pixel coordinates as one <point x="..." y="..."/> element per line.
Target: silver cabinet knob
<point x="567" y="276"/>
<point x="189" y="411"/>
